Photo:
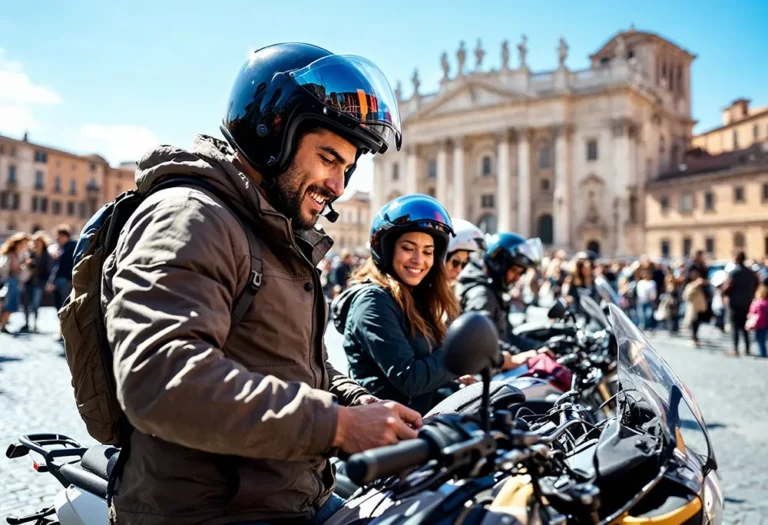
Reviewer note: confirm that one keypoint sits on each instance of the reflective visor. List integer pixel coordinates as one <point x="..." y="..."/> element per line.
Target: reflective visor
<point x="417" y="211"/>
<point x="356" y="87"/>
<point x="533" y="249"/>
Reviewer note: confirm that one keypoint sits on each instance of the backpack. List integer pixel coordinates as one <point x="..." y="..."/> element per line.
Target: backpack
<point x="88" y="352"/>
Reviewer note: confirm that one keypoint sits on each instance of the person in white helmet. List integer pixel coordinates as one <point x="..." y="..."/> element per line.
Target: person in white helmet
<point x="469" y="239"/>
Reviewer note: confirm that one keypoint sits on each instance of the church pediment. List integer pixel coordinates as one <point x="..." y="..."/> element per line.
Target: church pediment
<point x="467" y="96"/>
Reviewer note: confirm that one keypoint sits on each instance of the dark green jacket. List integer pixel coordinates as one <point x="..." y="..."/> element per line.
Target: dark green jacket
<point x="383" y="356"/>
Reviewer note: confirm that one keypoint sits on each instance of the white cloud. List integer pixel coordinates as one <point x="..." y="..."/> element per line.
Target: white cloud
<point x="116" y="143"/>
<point x="17" y="95"/>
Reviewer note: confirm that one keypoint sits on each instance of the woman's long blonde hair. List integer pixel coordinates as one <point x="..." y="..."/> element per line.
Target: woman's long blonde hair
<point x="9" y="246"/>
<point x="426" y="307"/>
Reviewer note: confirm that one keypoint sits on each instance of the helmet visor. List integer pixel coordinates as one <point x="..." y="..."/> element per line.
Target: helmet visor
<point x="355" y="87"/>
<point x="418" y="212"/>
<point x="532" y="249"/>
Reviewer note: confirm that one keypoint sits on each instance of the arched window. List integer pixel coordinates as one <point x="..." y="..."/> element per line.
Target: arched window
<point x="487" y="167"/>
<point x="487" y="223"/>
<point x="545" y="229"/>
<point x="594" y="246"/>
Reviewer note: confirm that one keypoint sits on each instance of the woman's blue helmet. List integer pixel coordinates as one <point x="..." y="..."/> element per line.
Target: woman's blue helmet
<point x="407" y="214"/>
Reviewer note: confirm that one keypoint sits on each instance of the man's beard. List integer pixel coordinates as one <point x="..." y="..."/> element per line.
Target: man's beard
<point x="287" y="196"/>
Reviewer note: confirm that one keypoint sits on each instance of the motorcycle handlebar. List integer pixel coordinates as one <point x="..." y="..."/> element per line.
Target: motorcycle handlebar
<point x="387" y="461"/>
<point x="437" y="434"/>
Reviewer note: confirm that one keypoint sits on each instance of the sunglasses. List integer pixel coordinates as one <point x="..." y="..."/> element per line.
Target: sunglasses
<point x="456" y="263"/>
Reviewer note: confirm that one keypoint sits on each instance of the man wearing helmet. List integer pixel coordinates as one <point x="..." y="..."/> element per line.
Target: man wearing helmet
<point x="482" y="285"/>
<point x="237" y="425"/>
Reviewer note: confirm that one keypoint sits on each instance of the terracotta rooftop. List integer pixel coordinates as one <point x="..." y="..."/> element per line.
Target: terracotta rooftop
<point x="698" y="161"/>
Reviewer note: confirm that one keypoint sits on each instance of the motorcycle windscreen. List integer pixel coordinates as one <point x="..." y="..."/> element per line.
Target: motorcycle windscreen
<point x="643" y="371"/>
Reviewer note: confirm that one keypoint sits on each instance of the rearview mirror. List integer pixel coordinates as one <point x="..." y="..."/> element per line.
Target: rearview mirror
<point x="471" y="345"/>
<point x="558" y="310"/>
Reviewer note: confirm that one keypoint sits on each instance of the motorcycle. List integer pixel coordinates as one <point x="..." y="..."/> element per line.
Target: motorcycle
<point x="652" y="460"/>
<point x="651" y="463"/>
<point x="559" y="326"/>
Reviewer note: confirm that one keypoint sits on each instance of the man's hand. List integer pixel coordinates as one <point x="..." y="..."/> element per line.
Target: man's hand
<point x="467" y="380"/>
<point x="374" y="425"/>
<point x="545" y="350"/>
<point x="367" y="400"/>
<point x="513" y="361"/>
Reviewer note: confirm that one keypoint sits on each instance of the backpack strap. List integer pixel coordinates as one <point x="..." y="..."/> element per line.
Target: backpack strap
<point x="256" y="272"/>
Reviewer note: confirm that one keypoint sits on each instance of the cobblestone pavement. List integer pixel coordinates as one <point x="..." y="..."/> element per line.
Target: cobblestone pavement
<point x="36" y="396"/>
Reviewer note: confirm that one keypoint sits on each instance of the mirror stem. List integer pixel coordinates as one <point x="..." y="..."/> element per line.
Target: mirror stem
<point x="485" y="410"/>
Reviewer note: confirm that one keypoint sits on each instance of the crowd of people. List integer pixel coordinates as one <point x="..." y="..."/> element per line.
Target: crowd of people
<point x="31" y="266"/>
<point x="676" y="296"/>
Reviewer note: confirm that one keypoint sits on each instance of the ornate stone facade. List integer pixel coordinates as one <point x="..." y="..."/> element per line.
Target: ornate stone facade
<point x="561" y="154"/>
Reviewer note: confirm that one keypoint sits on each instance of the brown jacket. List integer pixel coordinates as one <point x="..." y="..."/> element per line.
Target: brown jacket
<point x="222" y="434"/>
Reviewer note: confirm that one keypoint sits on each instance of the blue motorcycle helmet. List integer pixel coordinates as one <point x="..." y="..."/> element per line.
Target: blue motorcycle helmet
<point x="405" y="214"/>
<point x="510" y="249"/>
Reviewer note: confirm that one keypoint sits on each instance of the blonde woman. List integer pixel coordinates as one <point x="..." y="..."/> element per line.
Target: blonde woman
<point x="12" y="263"/>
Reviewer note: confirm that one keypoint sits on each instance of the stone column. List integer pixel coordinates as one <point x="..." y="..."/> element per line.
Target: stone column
<point x="562" y="194"/>
<point x="411" y="170"/>
<point x="442" y="174"/>
<point x="503" y="183"/>
<point x="524" y="181"/>
<point x="459" y="201"/>
<point x="622" y="166"/>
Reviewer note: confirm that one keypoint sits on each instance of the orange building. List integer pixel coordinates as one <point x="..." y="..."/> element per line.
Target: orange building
<point x="41" y="187"/>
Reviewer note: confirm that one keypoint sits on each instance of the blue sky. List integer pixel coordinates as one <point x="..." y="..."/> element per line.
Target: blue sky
<point x="117" y="77"/>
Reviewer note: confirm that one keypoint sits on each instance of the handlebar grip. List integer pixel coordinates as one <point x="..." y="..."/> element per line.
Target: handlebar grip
<point x="383" y="462"/>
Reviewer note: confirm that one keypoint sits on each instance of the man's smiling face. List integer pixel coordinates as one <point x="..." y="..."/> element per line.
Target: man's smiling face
<point x="315" y="177"/>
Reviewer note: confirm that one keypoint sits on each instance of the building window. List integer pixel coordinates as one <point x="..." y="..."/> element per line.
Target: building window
<point x="738" y="240"/>
<point x="544" y="184"/>
<point x="664" y="204"/>
<point x="486" y="165"/>
<point x="709" y="242"/>
<point x="592" y="149"/>
<point x="709" y="201"/>
<point x="56" y="207"/>
<point x="487" y="201"/>
<point x="11" y="174"/>
<point x="756" y="131"/>
<point x="395" y="173"/>
<point x="13" y="151"/>
<point x="545" y="157"/>
<point x="687" y="247"/>
<point x="735" y="139"/>
<point x="72" y="187"/>
<point x="39" y="180"/>
<point x="738" y="193"/>
<point x="93" y="167"/>
<point x="2" y="149"/>
<point x="34" y="204"/>
<point x="686" y="203"/>
<point x="83" y="210"/>
<point x="665" y="248"/>
<point x="675" y="155"/>
<point x="57" y="184"/>
<point x="41" y="156"/>
<point x="71" y="209"/>
<point x="765" y="192"/>
<point x="43" y="205"/>
<point x="432" y="169"/>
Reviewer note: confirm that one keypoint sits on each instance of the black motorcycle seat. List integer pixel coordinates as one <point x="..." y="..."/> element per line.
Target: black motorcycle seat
<point x="469" y="399"/>
<point x="100" y="460"/>
<point x="92" y="472"/>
